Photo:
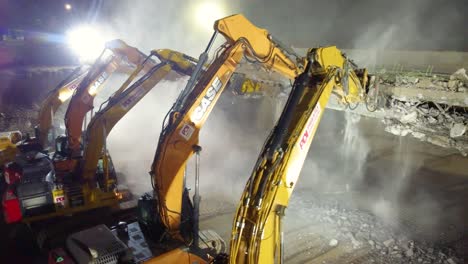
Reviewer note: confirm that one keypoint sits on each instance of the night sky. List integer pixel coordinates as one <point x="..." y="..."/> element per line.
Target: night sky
<point x="405" y="24"/>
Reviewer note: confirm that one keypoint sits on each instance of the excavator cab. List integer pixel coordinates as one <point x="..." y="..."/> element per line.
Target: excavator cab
<point x="106" y="177"/>
<point x="61" y="146"/>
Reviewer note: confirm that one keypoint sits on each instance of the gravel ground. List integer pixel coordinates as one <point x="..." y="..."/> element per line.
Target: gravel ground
<point x="324" y="228"/>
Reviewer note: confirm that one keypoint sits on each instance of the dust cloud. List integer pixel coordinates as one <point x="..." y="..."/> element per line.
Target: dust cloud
<point x="231" y="140"/>
<point x="133" y="141"/>
<point x="337" y="159"/>
<point x="352" y="161"/>
<point x="229" y="149"/>
<point x="342" y="158"/>
<point x="179" y="25"/>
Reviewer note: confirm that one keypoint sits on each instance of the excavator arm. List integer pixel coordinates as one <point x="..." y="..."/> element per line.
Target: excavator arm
<point x="123" y="57"/>
<point x="119" y="105"/>
<point x="62" y="92"/>
<point x="55" y="99"/>
<point x="179" y="138"/>
<point x="257" y="234"/>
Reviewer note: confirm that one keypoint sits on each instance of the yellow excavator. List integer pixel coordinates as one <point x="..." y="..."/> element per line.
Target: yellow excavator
<point x="102" y="183"/>
<point x="34" y="178"/>
<point x="118" y="56"/>
<point x="263" y="202"/>
<point x="256" y="234"/>
<point x="179" y="137"/>
<point x="55" y="98"/>
<point x="85" y="78"/>
<point x="8" y="141"/>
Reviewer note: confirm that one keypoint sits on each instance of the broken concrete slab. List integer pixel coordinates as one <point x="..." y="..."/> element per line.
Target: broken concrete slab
<point x="409" y="253"/>
<point x="389" y="242"/>
<point x="457" y="130"/>
<point x="333" y="243"/>
<point x="409" y="118"/>
<point x="421" y="94"/>
<point x="461" y="75"/>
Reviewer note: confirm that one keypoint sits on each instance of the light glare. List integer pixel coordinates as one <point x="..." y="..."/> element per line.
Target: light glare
<point x="86" y="42"/>
<point x="208" y="12"/>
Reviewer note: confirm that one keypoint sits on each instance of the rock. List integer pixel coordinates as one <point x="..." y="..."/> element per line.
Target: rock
<point x="425" y="83"/>
<point x="451" y="261"/>
<point x="420" y="260"/>
<point x="389" y="242"/>
<point x="372" y="243"/>
<point x="378" y="247"/>
<point x="453" y="85"/>
<point x="460" y="75"/>
<point x="410" y="245"/>
<point x="409" y="253"/>
<point x="413" y="80"/>
<point x="409" y="118"/>
<point x="333" y="243"/>
<point x="397" y="130"/>
<point x="418" y="135"/>
<point x="431" y="120"/>
<point x="434" y="112"/>
<point x="356" y="244"/>
<point x="362" y="236"/>
<point x="457" y="130"/>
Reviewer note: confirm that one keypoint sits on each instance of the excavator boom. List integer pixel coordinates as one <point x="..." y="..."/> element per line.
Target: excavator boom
<point x="82" y="101"/>
<point x="256" y="234"/>
<point x="55" y="99"/>
<point x="119" y="105"/>
<point x="179" y="138"/>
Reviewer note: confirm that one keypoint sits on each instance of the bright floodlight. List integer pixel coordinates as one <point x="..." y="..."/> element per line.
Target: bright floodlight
<point x="68" y="7"/>
<point x="86" y="42"/>
<point x="208" y="12"/>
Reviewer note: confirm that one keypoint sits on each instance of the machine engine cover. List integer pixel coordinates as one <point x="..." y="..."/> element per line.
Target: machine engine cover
<point x="97" y="245"/>
<point x="35" y="198"/>
<point x="37" y="169"/>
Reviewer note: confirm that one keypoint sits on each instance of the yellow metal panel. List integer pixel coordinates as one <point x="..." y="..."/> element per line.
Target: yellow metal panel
<point x="177" y="147"/>
<point x="259" y="44"/>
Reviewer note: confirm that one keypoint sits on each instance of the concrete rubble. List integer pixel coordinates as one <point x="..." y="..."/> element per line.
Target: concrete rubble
<point x="333" y="243"/>
<point x="430" y="108"/>
<point x="383" y="243"/>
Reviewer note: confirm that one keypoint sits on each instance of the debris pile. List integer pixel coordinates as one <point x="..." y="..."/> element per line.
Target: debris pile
<point x="434" y="121"/>
<point x="360" y="231"/>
